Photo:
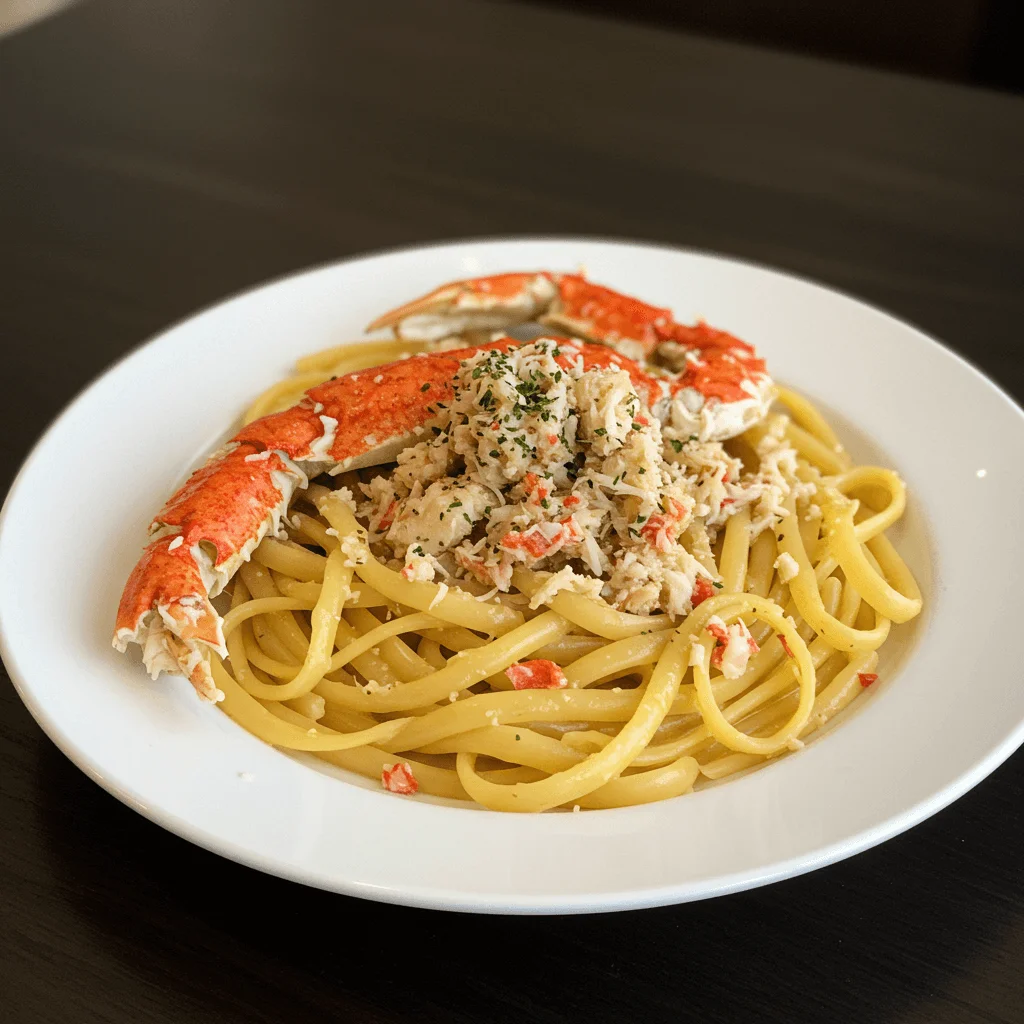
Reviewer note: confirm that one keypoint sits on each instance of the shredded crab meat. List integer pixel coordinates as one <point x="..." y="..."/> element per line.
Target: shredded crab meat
<point x="398" y="778"/>
<point x="535" y="462"/>
<point x="734" y="646"/>
<point x="421" y="567"/>
<point x="539" y="674"/>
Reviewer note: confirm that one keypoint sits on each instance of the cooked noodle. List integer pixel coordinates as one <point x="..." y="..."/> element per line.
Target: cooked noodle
<point x="333" y="652"/>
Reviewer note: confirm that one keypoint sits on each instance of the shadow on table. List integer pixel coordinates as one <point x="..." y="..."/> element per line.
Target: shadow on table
<point x="879" y="937"/>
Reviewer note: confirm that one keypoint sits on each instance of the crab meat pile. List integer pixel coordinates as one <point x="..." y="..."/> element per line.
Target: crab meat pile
<point x="537" y="463"/>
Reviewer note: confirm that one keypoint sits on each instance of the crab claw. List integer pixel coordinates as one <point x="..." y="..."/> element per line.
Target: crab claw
<point x="478" y="304"/>
<point x="720" y="387"/>
<point x="165" y="608"/>
<point x="608" y="317"/>
<point x="212" y="524"/>
<point x="567" y="301"/>
<point x="723" y="387"/>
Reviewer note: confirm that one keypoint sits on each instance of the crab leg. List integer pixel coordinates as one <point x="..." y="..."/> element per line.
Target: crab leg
<point x="567" y="301"/>
<point x="721" y="386"/>
<point x="211" y="525"/>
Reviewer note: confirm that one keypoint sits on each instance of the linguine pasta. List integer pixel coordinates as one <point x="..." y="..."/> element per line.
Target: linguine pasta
<point x="335" y="651"/>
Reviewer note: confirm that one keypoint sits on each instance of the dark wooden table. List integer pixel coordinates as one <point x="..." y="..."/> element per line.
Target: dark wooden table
<point x="157" y="156"/>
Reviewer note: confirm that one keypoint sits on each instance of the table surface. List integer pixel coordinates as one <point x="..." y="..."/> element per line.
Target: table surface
<point x="155" y="157"/>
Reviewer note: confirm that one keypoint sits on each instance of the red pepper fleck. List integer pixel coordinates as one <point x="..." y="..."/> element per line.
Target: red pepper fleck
<point x="399" y="778"/>
<point x="539" y="674"/>
<point x="867" y="678"/>
<point x="388" y="518"/>
<point x="572" y="500"/>
<point x="785" y="645"/>
<point x="702" y="590"/>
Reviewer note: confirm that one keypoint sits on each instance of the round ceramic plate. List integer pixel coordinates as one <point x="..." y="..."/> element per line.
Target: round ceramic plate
<point x="932" y="727"/>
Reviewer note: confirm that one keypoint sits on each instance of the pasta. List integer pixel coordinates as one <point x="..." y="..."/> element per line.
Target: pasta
<point x="335" y="652"/>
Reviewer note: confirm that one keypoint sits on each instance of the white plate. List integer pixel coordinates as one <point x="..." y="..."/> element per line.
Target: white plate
<point x="937" y="722"/>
